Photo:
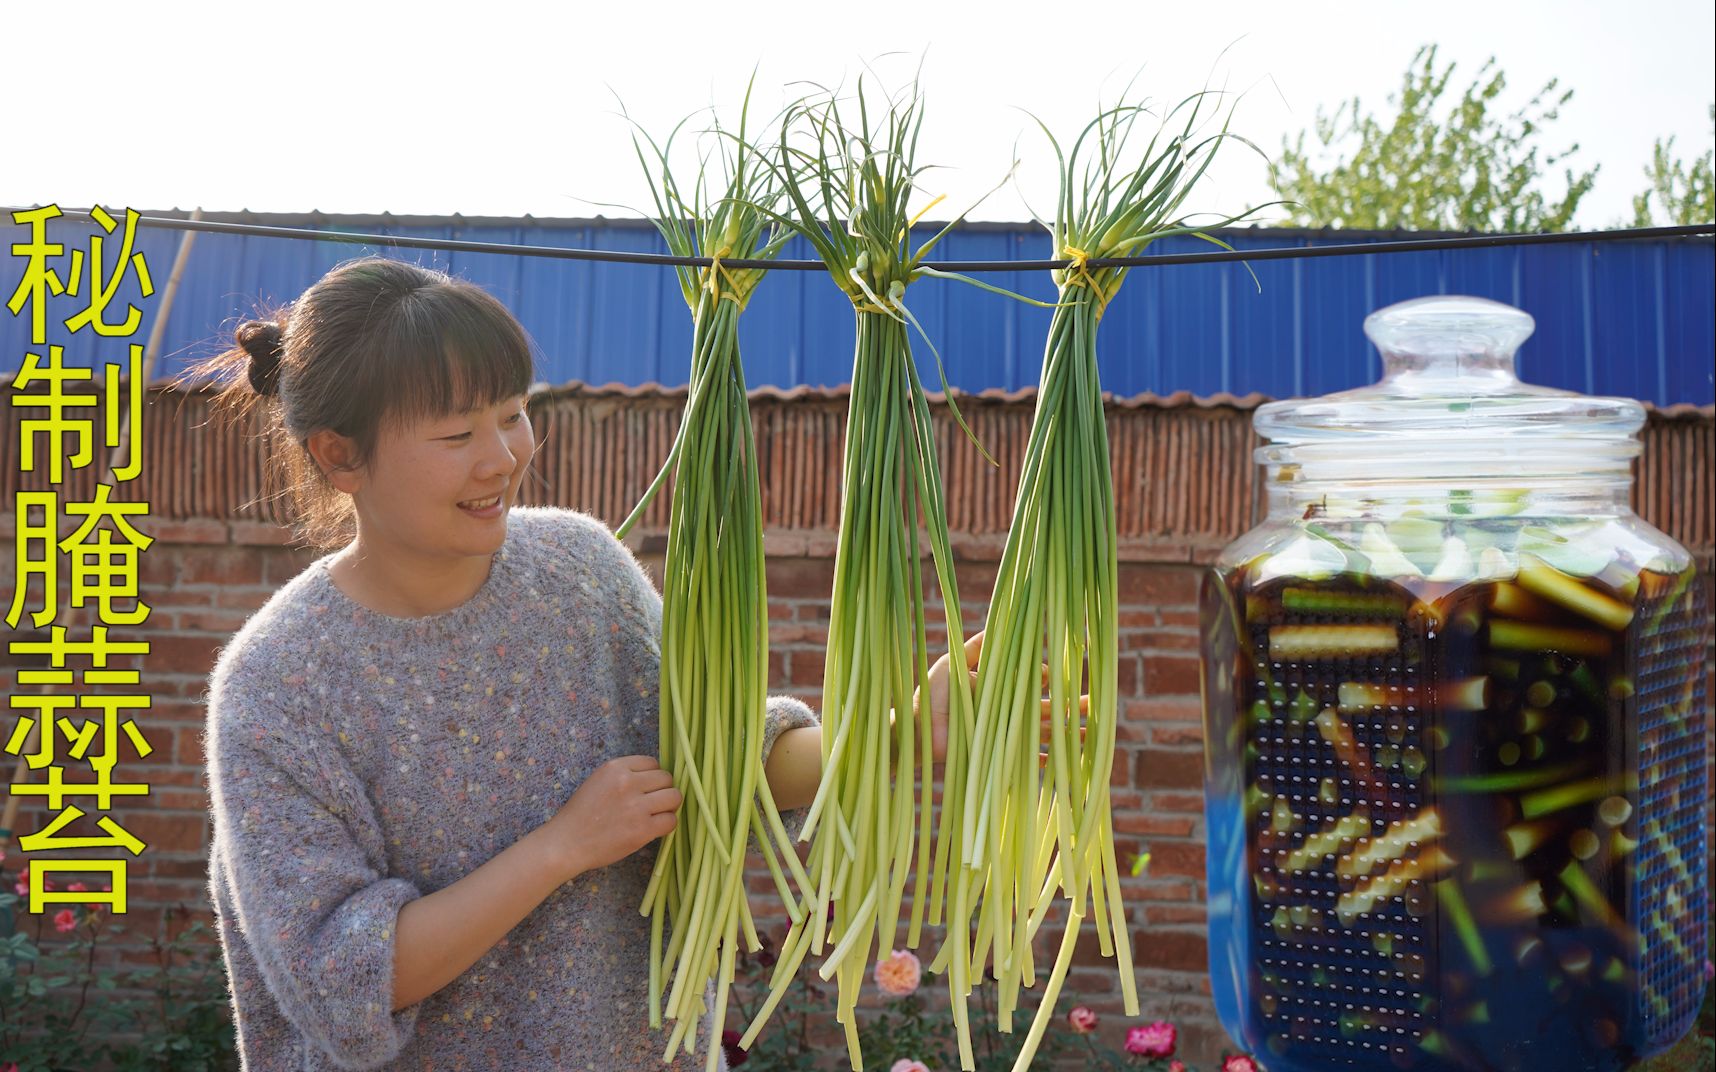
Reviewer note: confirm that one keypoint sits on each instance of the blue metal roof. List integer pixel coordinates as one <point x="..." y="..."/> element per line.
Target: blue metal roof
<point x="1627" y="318"/>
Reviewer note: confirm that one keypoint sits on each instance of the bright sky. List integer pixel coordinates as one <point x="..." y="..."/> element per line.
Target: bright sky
<point x="505" y="108"/>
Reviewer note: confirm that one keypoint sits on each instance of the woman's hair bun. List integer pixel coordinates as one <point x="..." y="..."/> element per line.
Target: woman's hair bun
<point x="264" y="342"/>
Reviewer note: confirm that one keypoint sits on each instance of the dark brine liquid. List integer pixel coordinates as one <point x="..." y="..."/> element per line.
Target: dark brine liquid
<point x="1453" y="862"/>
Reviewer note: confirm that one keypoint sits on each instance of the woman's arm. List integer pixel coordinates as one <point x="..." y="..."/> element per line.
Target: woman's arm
<point x="443" y="933"/>
<point x="794" y="769"/>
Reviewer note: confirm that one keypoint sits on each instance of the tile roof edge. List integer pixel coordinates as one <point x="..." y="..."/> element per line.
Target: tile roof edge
<point x="992" y="395"/>
<point x="1001" y="396"/>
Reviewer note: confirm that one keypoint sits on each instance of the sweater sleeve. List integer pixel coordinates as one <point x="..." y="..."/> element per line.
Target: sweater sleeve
<point x="305" y="862"/>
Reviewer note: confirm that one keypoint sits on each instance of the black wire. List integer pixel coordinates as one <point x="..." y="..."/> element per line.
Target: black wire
<point x="1288" y="253"/>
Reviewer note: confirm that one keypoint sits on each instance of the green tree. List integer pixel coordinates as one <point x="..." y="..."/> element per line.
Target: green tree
<point x="1685" y="193"/>
<point x="1464" y="167"/>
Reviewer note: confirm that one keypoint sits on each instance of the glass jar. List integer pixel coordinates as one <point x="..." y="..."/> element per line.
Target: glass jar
<point x="1454" y="708"/>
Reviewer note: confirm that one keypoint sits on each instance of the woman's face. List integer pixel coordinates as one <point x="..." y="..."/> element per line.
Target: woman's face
<point x="441" y="488"/>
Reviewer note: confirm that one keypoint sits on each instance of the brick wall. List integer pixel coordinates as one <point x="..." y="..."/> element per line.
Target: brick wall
<point x="1186" y="488"/>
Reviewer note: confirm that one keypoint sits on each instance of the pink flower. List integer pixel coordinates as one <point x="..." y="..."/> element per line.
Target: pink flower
<point x="77" y="887"/>
<point x="899" y="973"/>
<point x="65" y="920"/>
<point x="1176" y="1066"/>
<point x="9" y="1066"/>
<point x="1152" y="1040"/>
<point x="906" y="1064"/>
<point x="22" y="887"/>
<point x="1238" y="1062"/>
<point x="1083" y="1019"/>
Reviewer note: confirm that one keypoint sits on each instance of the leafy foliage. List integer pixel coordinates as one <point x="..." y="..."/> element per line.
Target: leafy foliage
<point x="1463" y="167"/>
<point x="1685" y="193"/>
<point x="61" y="1009"/>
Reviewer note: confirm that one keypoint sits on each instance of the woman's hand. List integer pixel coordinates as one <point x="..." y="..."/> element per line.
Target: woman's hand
<point x="940" y="688"/>
<point x="623" y="805"/>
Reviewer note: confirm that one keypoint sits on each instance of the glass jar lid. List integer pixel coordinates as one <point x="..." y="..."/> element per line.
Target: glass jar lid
<point x="1450" y="403"/>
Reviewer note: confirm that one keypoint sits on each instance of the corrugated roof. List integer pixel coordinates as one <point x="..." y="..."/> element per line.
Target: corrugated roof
<point x="1631" y="318"/>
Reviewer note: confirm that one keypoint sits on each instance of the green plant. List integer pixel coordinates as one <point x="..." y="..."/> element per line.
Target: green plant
<point x="1685" y="191"/>
<point x="905" y="1032"/>
<point x="63" y="1009"/>
<point x="1429" y="167"/>
<point x="787" y="1045"/>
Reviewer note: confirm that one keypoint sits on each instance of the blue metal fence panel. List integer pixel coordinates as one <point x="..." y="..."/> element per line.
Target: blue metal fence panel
<point x="1632" y="318"/>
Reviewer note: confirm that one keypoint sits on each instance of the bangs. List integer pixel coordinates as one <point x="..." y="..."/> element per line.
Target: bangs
<point x="447" y="350"/>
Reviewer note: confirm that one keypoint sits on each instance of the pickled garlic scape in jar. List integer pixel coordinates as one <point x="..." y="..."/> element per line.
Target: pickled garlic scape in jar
<point x="1455" y="714"/>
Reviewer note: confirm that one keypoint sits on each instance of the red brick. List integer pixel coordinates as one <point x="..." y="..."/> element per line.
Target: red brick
<point x="178" y="799"/>
<point x="1160" y="769"/>
<point x="224" y="566"/>
<point x="1180" y="618"/>
<point x="801" y="578"/>
<point x="1128" y="732"/>
<point x="168" y="831"/>
<point x="1164" y="709"/>
<point x="182" y="867"/>
<point x="1128" y="676"/>
<point x="157" y="570"/>
<point x="260" y="532"/>
<point x="1159" y="915"/>
<point x="1160" y="585"/>
<point x="1120" y="775"/>
<point x="280" y="566"/>
<point x="182" y="776"/>
<point x="1160" y="890"/>
<point x="1181" y="859"/>
<point x="187" y="531"/>
<point x="180" y="654"/>
<point x="1177" y="735"/>
<point x="249" y="598"/>
<point x="225" y="622"/>
<point x="1190" y="803"/>
<point x="1175" y="950"/>
<point x="795" y="635"/>
<point x="1158" y="825"/>
<point x="1166" y="675"/>
<point x="189" y="748"/>
<point x="807" y="666"/>
<point x="1173" y="642"/>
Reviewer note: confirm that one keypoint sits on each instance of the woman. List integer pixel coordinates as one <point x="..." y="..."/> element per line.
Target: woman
<point x="431" y="754"/>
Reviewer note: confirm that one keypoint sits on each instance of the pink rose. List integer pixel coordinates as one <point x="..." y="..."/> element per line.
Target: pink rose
<point x="1176" y="1066"/>
<point x="898" y="973"/>
<point x="1082" y="1019"/>
<point x="22" y="888"/>
<point x="1152" y="1040"/>
<point x="65" y="920"/>
<point x="9" y="1066"/>
<point x="1238" y="1062"/>
<point x="906" y="1064"/>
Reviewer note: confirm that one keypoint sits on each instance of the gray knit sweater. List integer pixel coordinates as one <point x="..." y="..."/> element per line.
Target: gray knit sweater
<point x="359" y="761"/>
